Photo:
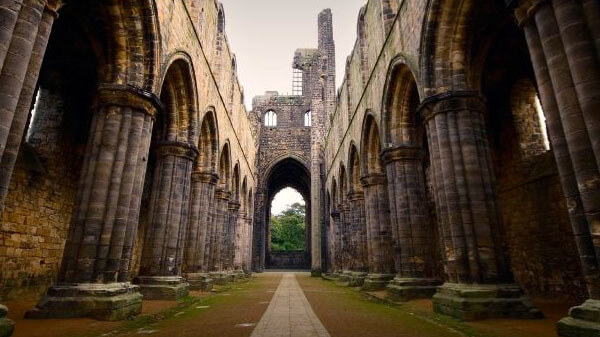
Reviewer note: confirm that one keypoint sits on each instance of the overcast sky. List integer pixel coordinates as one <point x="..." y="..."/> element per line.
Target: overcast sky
<point x="264" y="34"/>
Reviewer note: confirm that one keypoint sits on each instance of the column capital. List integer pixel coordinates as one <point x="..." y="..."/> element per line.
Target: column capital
<point x="177" y="149"/>
<point x="128" y="96"/>
<point x="525" y="9"/>
<point x="205" y="177"/>
<point x="356" y="195"/>
<point x="373" y="179"/>
<point x="402" y="152"/>
<point x="233" y="205"/>
<point x="222" y="194"/>
<point x="451" y="101"/>
<point x="53" y="6"/>
<point x="343" y="206"/>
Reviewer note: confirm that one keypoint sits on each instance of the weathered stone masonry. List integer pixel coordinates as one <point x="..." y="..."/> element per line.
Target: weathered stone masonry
<point x="427" y="174"/>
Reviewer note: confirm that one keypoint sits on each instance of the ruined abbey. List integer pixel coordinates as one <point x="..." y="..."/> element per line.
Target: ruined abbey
<point x="457" y="160"/>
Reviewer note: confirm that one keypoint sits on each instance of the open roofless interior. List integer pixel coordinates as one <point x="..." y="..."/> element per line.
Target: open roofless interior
<point x="452" y="169"/>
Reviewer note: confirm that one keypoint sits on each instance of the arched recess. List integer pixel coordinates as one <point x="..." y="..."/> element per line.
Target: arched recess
<point x="208" y="144"/>
<point x="400" y="122"/>
<point x="173" y="151"/>
<point x="444" y="58"/>
<point x="363" y="45"/>
<point x="370" y="147"/>
<point x="477" y="46"/>
<point x="225" y="168"/>
<point x="287" y="171"/>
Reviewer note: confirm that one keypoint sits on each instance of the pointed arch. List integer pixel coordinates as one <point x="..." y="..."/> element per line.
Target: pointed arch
<point x="208" y="143"/>
<point x="343" y="184"/>
<point x="370" y="146"/>
<point x="225" y="168"/>
<point x="179" y="98"/>
<point x="400" y="122"/>
<point x="354" y="184"/>
<point x="235" y="188"/>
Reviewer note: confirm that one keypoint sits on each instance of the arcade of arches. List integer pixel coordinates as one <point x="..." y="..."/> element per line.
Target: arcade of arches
<point x="458" y="161"/>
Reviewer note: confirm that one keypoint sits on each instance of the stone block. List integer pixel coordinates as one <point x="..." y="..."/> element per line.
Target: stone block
<point x="162" y="287"/>
<point x="471" y="302"/>
<point x="375" y="282"/>
<point x="583" y="321"/>
<point x="107" y="302"/>
<point x="199" y="281"/>
<point x="357" y="279"/>
<point x="405" y="289"/>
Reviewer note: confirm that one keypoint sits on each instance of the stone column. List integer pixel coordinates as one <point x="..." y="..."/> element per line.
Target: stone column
<point x="23" y="107"/>
<point x="16" y="61"/>
<point x="238" y="240"/>
<point x="345" y="242"/>
<point x="563" y="40"/>
<point x="198" y="233"/>
<point x="9" y="12"/>
<point x="379" y="235"/>
<point x="228" y="243"/>
<point x="358" y="226"/>
<point x="93" y="280"/>
<point x="162" y="256"/>
<point x="411" y="227"/>
<point x="247" y="261"/>
<point x="479" y="282"/>
<point x="335" y="244"/>
<point x="220" y="221"/>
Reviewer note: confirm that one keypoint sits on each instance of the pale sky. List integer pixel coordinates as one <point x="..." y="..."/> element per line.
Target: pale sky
<point x="264" y="34"/>
<point x="285" y="198"/>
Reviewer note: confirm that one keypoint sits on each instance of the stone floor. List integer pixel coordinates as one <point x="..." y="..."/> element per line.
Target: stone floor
<point x="286" y="304"/>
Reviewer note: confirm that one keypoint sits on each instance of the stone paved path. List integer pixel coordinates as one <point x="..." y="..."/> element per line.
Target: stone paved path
<point x="289" y="314"/>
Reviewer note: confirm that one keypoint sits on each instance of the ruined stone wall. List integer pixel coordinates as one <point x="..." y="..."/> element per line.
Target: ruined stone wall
<point x="538" y="235"/>
<point x="38" y="208"/>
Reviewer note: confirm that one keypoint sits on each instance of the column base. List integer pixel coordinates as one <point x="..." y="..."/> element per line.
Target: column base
<point x="316" y="273"/>
<point x="162" y="287"/>
<point x="199" y="281"/>
<point x="583" y="321"/>
<point x="106" y="302"/>
<point x="404" y="289"/>
<point x="220" y="278"/>
<point x="345" y="276"/>
<point x="239" y="275"/>
<point x="471" y="302"/>
<point x="333" y="276"/>
<point x="375" y="282"/>
<point x="7" y="326"/>
<point x="357" y="279"/>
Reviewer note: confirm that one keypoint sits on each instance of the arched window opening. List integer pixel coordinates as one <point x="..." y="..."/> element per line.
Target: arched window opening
<point x="308" y="118"/>
<point x="529" y="119"/>
<point x="288" y="222"/>
<point x="270" y="118"/>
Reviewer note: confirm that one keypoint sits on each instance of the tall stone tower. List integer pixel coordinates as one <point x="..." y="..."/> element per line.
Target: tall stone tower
<point x="291" y="130"/>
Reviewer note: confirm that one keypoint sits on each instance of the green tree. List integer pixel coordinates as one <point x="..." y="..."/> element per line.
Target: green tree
<point x="288" y="229"/>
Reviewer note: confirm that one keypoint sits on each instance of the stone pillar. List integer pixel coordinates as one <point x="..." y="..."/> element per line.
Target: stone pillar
<point x="479" y="282"/>
<point x="345" y="242"/>
<point x="247" y="261"/>
<point x="23" y="107"/>
<point x="335" y="244"/>
<point x="16" y="59"/>
<point x="563" y="40"/>
<point x="358" y="227"/>
<point x="238" y="240"/>
<point x="411" y="227"/>
<point x="379" y="235"/>
<point x="229" y="234"/>
<point x="162" y="256"/>
<point x="93" y="280"/>
<point x="198" y="233"/>
<point x="220" y="220"/>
